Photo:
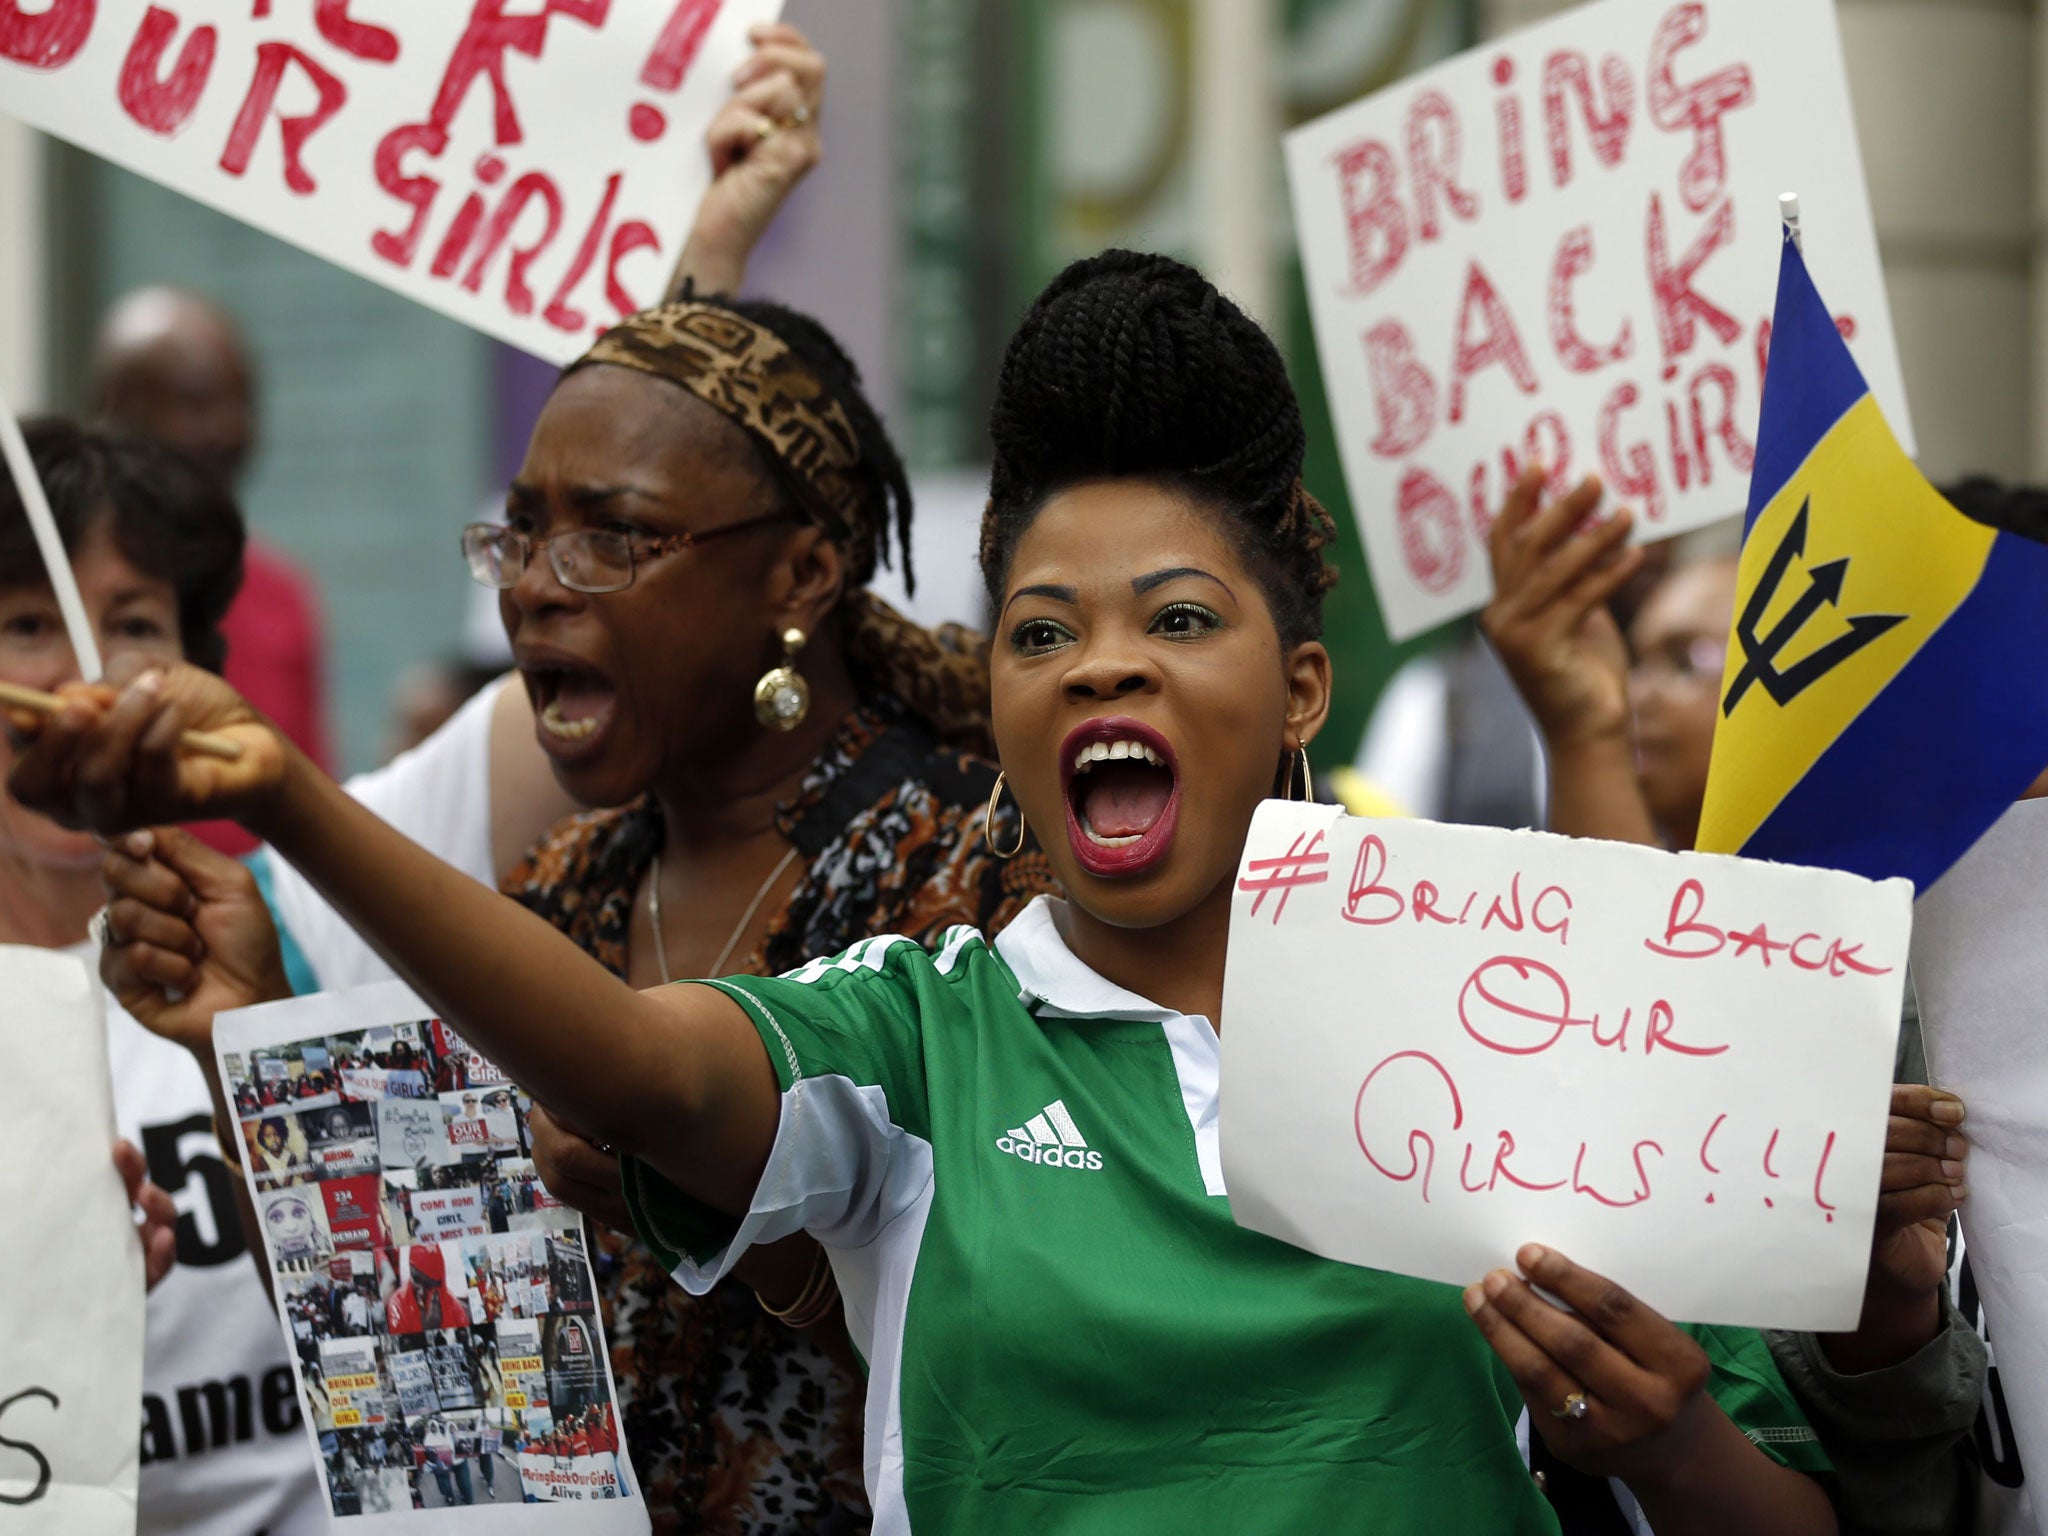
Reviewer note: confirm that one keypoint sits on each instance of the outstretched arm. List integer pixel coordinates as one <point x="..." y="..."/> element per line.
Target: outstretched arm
<point x="1553" y="573"/>
<point x="677" y="1076"/>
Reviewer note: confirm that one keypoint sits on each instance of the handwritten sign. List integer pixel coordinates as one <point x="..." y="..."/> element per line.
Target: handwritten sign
<point x="529" y="170"/>
<point x="1444" y="1042"/>
<point x="1982" y="978"/>
<point x="71" y="1273"/>
<point x="1562" y="248"/>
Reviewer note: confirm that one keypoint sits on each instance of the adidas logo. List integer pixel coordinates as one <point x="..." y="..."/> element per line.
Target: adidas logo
<point x="1050" y="1139"/>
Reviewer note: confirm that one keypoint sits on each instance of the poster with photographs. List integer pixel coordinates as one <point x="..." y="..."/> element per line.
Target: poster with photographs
<point x="438" y="1303"/>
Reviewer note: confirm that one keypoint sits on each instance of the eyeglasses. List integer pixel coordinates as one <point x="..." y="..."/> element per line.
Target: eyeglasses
<point x="584" y="559"/>
<point x="1688" y="660"/>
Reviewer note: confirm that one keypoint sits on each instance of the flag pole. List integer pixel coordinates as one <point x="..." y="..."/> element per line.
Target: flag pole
<point x="15" y="449"/>
<point x="1788" y="213"/>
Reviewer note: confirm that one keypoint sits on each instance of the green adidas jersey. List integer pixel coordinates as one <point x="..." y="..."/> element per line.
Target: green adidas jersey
<point x="1014" y="1167"/>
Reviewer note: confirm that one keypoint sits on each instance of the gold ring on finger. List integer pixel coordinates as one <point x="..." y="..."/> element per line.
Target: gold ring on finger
<point x="765" y="129"/>
<point x="1575" y="1407"/>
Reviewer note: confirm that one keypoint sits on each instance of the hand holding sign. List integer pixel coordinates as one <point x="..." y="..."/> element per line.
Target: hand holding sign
<point x="763" y="142"/>
<point x="109" y="761"/>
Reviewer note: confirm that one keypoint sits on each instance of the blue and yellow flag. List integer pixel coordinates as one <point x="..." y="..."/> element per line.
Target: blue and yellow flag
<point x="1886" y="694"/>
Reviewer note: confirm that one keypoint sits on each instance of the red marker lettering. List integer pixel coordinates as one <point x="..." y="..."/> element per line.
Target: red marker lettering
<point x="1679" y="303"/>
<point x="1404" y="395"/>
<point x="1698" y="107"/>
<point x="1377" y="227"/>
<point x="158" y="102"/>
<point x="1501" y="1022"/>
<point x="674" y="52"/>
<point x="559" y="314"/>
<point x="272" y="60"/>
<point x="1432" y="543"/>
<point x="1662" y="1022"/>
<point x="518" y="296"/>
<point x="1367" y="886"/>
<point x="1607" y="130"/>
<point x="1421" y="1148"/>
<point x="1820" y="1173"/>
<point x="1580" y="1185"/>
<point x="1686" y="905"/>
<point x="1497" y="342"/>
<point x="633" y="235"/>
<point x="1433" y="137"/>
<point x="46" y="39"/>
<point x="1574" y="256"/>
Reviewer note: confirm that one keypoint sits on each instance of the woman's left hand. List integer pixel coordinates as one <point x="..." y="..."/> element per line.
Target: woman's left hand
<point x="1643" y="1380"/>
<point x="156" y="1218"/>
<point x="763" y="142"/>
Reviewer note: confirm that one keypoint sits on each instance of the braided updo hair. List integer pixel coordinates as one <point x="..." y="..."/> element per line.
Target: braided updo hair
<point x="1133" y="364"/>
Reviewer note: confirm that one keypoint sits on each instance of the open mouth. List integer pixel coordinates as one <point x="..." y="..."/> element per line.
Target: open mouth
<point x="573" y="704"/>
<point x="1123" y="795"/>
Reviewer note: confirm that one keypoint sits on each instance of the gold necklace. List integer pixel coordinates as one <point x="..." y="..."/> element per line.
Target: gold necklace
<point x="746" y="917"/>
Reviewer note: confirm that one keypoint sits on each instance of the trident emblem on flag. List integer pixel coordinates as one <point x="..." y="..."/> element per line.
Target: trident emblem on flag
<point x="1760" y="652"/>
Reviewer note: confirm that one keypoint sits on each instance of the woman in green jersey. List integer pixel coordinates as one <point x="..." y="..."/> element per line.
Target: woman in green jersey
<point x="1010" y="1150"/>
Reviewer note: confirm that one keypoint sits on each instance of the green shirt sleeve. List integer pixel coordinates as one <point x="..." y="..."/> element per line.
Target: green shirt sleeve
<point x="845" y="1037"/>
<point x="1746" y="1382"/>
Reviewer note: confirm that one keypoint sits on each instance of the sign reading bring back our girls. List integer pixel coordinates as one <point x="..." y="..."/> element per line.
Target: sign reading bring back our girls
<point x="529" y="167"/>
<point x="1561" y="248"/>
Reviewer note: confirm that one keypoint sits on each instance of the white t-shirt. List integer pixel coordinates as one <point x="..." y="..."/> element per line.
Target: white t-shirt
<point x="439" y="795"/>
<point x="224" y="1448"/>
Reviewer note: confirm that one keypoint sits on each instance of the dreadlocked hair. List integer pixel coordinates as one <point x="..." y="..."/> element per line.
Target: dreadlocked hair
<point x="1133" y="364"/>
<point x="881" y="470"/>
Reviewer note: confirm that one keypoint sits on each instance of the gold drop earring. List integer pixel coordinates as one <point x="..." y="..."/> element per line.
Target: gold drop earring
<point x="782" y="698"/>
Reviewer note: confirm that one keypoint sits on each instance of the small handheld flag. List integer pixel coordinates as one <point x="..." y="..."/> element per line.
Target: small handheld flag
<point x="1886" y="692"/>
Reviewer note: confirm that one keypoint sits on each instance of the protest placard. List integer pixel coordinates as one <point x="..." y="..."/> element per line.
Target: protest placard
<point x="1982" y="979"/>
<point x="401" y="1286"/>
<point x="529" y="171"/>
<point x="68" y="1394"/>
<point x="1562" y="248"/>
<point x="1444" y="1042"/>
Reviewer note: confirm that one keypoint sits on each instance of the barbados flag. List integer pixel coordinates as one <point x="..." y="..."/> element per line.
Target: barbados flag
<point x="1886" y="693"/>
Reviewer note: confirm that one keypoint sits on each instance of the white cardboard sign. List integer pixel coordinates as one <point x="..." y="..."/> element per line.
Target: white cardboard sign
<point x="71" y="1281"/>
<point x="530" y="169"/>
<point x="1444" y="1042"/>
<point x="1982" y="978"/>
<point x="1562" y="248"/>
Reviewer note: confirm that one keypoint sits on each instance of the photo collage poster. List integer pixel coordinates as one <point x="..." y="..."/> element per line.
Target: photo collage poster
<point x="438" y="1302"/>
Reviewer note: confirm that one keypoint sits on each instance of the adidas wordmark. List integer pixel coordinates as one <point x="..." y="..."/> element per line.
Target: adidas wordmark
<point x="1050" y="1139"/>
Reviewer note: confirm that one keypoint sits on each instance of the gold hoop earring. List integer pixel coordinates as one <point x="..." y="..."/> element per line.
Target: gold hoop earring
<point x="1308" y="783"/>
<point x="782" y="698"/>
<point x="988" y="824"/>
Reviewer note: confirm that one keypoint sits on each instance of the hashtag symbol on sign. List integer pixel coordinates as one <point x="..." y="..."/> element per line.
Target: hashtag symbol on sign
<point x="1298" y="866"/>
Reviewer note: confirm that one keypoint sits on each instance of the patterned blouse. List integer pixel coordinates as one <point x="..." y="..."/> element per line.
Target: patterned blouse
<point x="736" y="1423"/>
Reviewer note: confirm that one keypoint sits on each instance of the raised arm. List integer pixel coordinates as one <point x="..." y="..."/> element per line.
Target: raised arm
<point x="762" y="143"/>
<point x="677" y="1077"/>
<point x="1553" y="574"/>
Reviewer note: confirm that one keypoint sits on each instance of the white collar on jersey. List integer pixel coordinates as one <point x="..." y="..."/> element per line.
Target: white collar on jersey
<point x="1053" y="981"/>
